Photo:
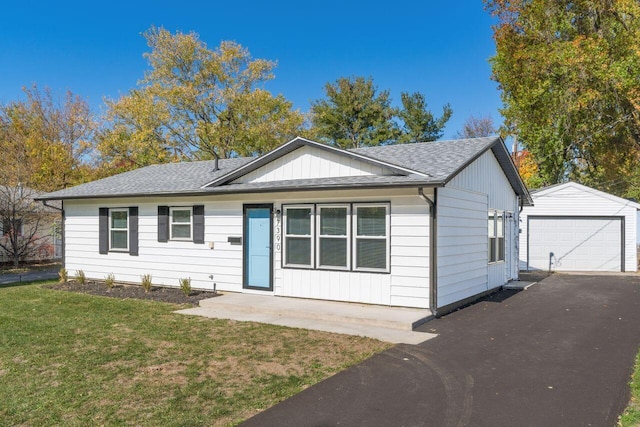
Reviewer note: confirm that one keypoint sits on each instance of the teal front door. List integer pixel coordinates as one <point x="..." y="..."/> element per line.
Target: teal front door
<point x="257" y="247"/>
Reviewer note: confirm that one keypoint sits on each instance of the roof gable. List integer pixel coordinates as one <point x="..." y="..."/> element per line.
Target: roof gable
<point x="303" y="159"/>
<point x="308" y="162"/>
<point x="573" y="189"/>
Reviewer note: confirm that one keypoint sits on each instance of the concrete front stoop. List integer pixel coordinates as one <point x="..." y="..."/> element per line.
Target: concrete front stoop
<point x="391" y="324"/>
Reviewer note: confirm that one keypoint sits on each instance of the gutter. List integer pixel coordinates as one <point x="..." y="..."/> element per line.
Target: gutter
<point x="433" y="250"/>
<point x="231" y="190"/>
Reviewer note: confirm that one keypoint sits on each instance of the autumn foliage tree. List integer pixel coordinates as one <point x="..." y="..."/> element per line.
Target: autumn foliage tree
<point x="568" y="71"/>
<point x="46" y="142"/>
<point x="196" y="103"/>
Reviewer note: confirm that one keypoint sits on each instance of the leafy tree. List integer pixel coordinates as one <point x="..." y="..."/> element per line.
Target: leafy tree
<point x="569" y="78"/>
<point x="46" y="144"/>
<point x="419" y="124"/>
<point x="527" y="168"/>
<point x="22" y="224"/>
<point x="353" y="114"/>
<point x="196" y="103"/>
<point x="477" y="127"/>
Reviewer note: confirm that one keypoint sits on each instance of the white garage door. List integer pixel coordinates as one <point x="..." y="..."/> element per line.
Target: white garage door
<point x="575" y="244"/>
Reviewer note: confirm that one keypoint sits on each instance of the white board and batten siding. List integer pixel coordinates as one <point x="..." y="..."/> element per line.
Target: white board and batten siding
<point x="463" y="205"/>
<point x="582" y="227"/>
<point x="407" y="283"/>
<point x="307" y="163"/>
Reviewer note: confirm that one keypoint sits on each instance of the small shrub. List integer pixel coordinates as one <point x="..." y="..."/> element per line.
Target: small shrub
<point x="110" y="280"/>
<point x="81" y="277"/>
<point x="64" y="275"/>
<point x="146" y="282"/>
<point x="185" y="286"/>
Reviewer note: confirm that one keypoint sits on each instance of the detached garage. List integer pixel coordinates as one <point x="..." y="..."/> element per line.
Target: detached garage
<point x="572" y="227"/>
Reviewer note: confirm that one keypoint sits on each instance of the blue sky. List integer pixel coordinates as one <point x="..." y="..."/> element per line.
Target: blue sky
<point x="95" y="49"/>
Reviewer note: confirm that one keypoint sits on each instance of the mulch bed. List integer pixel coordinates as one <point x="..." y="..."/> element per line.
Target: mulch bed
<point x="157" y="293"/>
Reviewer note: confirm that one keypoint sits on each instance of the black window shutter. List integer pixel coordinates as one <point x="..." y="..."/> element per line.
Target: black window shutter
<point x="163" y="223"/>
<point x="103" y="230"/>
<point x="133" y="230"/>
<point x="198" y="224"/>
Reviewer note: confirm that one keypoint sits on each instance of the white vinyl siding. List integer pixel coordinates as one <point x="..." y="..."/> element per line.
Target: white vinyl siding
<point x="485" y="178"/>
<point x="309" y="162"/>
<point x="462" y="244"/>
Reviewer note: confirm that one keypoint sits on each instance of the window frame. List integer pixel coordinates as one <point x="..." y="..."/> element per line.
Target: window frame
<point x="318" y="236"/>
<point x="386" y="237"/>
<point x="126" y="229"/>
<point x="496" y="236"/>
<point x="311" y="236"/>
<point x="171" y="223"/>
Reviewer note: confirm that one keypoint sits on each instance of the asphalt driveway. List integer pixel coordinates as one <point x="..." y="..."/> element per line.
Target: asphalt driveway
<point x="558" y="354"/>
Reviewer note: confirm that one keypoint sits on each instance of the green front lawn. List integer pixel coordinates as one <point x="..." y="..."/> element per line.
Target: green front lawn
<point x="75" y="359"/>
<point x="631" y="416"/>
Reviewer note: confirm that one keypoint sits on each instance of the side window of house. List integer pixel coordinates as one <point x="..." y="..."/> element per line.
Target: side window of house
<point x="298" y="235"/>
<point x="496" y="236"/>
<point x="333" y="236"/>
<point x="119" y="229"/>
<point x="180" y="223"/>
<point x="371" y="237"/>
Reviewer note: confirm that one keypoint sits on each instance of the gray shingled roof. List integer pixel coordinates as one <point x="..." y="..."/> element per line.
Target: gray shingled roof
<point x="169" y="178"/>
<point x="440" y="161"/>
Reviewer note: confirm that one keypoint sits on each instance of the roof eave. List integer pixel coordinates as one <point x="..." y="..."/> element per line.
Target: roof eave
<point x="347" y="186"/>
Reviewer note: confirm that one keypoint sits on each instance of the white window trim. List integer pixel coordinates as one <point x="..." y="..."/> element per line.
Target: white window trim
<point x="346" y="237"/>
<point x="171" y="223"/>
<point x="386" y="238"/>
<point x="286" y="235"/>
<point x="111" y="248"/>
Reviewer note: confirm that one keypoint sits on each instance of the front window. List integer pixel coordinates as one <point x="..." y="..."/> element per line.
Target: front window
<point x="119" y="229"/>
<point x="371" y="237"/>
<point x="181" y="223"/>
<point x="333" y="236"/>
<point x="298" y="236"/>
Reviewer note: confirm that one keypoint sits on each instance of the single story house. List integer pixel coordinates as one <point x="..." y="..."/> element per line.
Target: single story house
<point x="572" y="227"/>
<point x="399" y="225"/>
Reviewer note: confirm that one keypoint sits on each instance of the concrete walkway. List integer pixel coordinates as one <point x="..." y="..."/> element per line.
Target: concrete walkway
<point x="558" y="354"/>
<point x="391" y="324"/>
